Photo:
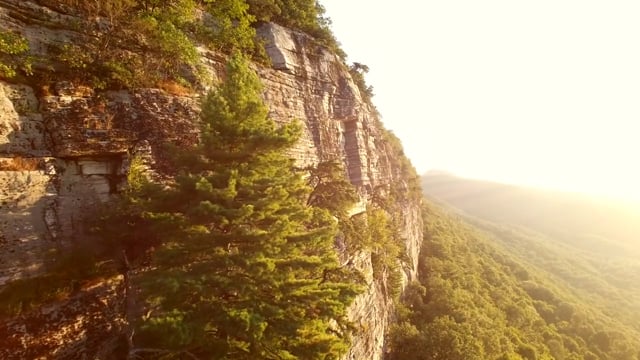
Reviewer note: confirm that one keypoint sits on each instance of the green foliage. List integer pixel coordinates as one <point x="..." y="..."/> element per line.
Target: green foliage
<point x="375" y="231"/>
<point x="384" y="243"/>
<point x="241" y="125"/>
<point x="331" y="189"/>
<point x="178" y="12"/>
<point x="114" y="10"/>
<point x="588" y="245"/>
<point x="149" y="42"/>
<point x="74" y="56"/>
<point x="146" y="43"/>
<point x="304" y="15"/>
<point x="358" y="71"/>
<point x="14" y="51"/>
<point x="264" y="10"/>
<point x="164" y="38"/>
<point x="232" y="30"/>
<point x="246" y="269"/>
<point x="409" y="187"/>
<point x="476" y="300"/>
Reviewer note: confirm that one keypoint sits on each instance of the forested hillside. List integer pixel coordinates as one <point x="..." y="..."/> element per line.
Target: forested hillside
<point x="498" y="293"/>
<point x="591" y="224"/>
<point x="590" y="244"/>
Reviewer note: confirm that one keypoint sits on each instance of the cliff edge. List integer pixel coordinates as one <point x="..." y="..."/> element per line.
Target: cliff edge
<point x="65" y="149"/>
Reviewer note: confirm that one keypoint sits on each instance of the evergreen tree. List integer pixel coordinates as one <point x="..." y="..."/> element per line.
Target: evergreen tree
<point x="247" y="269"/>
<point x="331" y="189"/>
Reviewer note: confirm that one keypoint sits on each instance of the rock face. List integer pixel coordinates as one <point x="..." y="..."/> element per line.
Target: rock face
<point x="87" y="325"/>
<point x="65" y="150"/>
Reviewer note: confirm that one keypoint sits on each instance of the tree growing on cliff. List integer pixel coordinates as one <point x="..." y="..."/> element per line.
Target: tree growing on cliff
<point x="358" y="71"/>
<point x="331" y="189"/>
<point x="247" y="269"/>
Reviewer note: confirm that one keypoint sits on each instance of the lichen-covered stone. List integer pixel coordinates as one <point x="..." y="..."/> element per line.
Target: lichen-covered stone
<point x="21" y="124"/>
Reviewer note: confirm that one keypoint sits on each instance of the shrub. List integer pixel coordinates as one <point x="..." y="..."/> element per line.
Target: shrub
<point x="14" y="50"/>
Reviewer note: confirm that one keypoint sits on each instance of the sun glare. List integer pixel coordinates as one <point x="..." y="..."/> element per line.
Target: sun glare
<point x="538" y="93"/>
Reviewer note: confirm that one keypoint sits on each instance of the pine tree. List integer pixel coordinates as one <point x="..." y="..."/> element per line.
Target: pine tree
<point x="331" y="189"/>
<point x="247" y="269"/>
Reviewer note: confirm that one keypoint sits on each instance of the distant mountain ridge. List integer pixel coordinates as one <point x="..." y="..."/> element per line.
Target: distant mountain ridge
<point x="587" y="223"/>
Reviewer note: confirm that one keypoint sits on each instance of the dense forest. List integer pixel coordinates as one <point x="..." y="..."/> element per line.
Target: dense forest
<point x="498" y="291"/>
<point x="590" y="244"/>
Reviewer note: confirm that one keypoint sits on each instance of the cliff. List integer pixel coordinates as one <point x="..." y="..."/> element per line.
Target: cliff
<point x="64" y="149"/>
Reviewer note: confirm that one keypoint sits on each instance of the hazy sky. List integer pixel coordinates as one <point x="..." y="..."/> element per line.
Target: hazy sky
<point x="543" y="92"/>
